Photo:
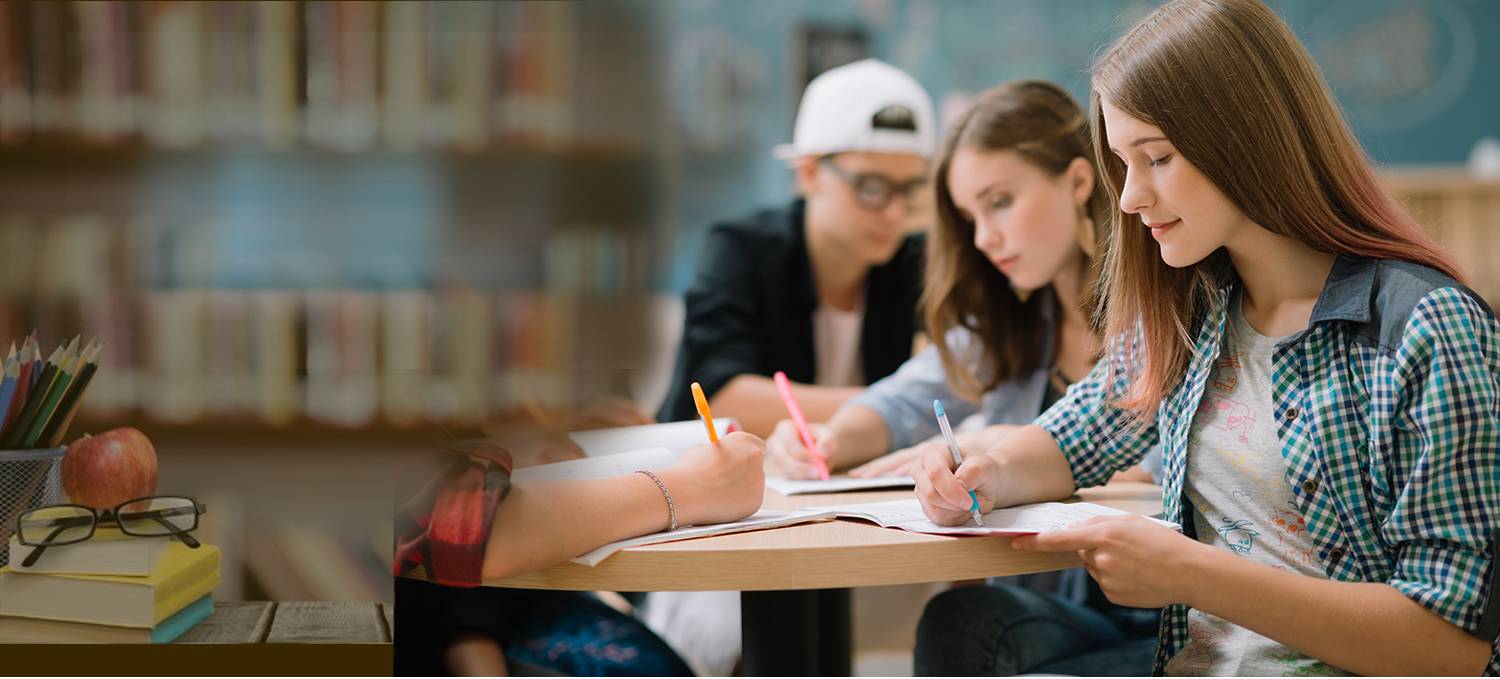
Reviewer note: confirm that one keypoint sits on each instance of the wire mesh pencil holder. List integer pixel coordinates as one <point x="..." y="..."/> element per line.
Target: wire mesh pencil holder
<point x="28" y="479"/>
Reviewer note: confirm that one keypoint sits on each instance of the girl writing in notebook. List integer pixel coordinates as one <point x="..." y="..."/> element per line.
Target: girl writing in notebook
<point x="469" y="524"/>
<point x="1009" y="270"/>
<point x="1325" y="390"/>
<point x="1008" y="274"/>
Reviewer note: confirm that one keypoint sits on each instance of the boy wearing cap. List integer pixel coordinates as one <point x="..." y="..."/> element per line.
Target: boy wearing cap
<point x="826" y="287"/>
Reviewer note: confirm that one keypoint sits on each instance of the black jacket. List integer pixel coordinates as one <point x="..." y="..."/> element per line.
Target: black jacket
<point x="750" y="309"/>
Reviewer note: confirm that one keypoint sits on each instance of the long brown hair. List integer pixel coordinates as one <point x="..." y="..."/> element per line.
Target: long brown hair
<point x="1209" y="73"/>
<point x="1046" y="127"/>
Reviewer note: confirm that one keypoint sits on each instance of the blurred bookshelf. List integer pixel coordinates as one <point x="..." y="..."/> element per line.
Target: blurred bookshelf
<point x="317" y="235"/>
<point x="350" y="76"/>
<point x="141" y="142"/>
<point x="1462" y="211"/>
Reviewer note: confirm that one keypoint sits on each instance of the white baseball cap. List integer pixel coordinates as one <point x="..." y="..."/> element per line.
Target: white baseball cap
<point x="868" y="105"/>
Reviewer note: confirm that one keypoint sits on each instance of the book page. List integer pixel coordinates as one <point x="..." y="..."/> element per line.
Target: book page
<point x="765" y="518"/>
<point x="597" y="467"/>
<point x="838" y="483"/>
<point x="1023" y="520"/>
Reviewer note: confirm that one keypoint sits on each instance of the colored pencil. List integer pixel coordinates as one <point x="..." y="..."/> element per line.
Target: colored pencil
<point x="23" y="386"/>
<point x="8" y="385"/>
<point x="83" y="370"/>
<point x="16" y="435"/>
<point x="66" y="368"/>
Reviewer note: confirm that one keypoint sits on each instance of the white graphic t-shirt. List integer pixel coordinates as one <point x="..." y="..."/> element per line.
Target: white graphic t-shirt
<point x="1242" y="501"/>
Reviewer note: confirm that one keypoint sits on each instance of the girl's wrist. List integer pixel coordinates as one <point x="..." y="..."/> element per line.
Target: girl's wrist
<point x="684" y="497"/>
<point x="1000" y="466"/>
<point x="1199" y="565"/>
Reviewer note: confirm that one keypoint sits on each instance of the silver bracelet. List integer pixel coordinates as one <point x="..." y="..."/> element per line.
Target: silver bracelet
<point x="671" y="507"/>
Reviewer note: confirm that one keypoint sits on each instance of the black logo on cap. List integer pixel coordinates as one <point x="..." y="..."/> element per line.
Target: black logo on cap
<point x="894" y="118"/>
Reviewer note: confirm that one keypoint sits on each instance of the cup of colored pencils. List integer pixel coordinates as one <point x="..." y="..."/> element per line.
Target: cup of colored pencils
<point x="38" y="400"/>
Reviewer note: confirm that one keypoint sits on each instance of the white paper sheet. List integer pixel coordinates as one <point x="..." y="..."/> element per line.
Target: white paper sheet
<point x="1023" y="520"/>
<point x="765" y="518"/>
<point x="674" y="436"/>
<point x="837" y="484"/>
<point x="597" y="467"/>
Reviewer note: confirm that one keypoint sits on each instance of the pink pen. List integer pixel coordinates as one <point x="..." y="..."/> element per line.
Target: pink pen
<point x="784" y="385"/>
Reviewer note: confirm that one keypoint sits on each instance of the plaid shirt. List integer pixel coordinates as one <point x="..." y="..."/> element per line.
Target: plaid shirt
<point x="1388" y="412"/>
<point x="445" y="526"/>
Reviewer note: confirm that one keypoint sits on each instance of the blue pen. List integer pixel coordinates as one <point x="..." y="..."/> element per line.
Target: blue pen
<point x="958" y="458"/>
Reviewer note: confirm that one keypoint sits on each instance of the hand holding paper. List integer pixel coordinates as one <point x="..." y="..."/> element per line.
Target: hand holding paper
<point x="1138" y="561"/>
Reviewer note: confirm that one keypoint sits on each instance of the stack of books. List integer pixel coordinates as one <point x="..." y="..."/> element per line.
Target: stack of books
<point x="112" y="588"/>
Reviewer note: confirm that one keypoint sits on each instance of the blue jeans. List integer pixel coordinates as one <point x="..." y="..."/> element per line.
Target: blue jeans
<point x="1001" y="630"/>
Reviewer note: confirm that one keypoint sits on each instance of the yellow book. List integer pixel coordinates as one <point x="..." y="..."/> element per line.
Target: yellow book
<point x="181" y="577"/>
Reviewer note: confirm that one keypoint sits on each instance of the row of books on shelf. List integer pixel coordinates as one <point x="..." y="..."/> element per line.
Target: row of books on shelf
<point x="112" y="588"/>
<point x="342" y="357"/>
<point x="89" y="255"/>
<point x="347" y="75"/>
<point x="77" y="254"/>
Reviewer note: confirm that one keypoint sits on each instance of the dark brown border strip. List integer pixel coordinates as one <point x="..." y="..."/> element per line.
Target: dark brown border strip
<point x="197" y="660"/>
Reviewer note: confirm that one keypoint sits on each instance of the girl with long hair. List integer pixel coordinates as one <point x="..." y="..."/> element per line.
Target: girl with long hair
<point x="1324" y="388"/>
<point x="1011" y="264"/>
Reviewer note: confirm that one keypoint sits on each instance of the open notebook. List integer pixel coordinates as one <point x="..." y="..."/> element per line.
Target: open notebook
<point x="838" y="483"/>
<point x="1023" y="520"/>
<point x="765" y="518"/>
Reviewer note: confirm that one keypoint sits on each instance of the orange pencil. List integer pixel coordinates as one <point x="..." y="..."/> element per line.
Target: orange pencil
<point x="708" y="418"/>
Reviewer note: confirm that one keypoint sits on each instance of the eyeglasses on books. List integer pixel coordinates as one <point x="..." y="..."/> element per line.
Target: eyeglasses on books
<point x="65" y="524"/>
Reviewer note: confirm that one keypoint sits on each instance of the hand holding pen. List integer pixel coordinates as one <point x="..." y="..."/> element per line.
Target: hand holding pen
<point x="958" y="458"/>
<point x="708" y="417"/>
<point x="722" y="481"/>
<point x="799" y="424"/>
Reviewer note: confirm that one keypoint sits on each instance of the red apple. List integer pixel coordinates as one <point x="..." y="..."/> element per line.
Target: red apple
<point x="103" y="471"/>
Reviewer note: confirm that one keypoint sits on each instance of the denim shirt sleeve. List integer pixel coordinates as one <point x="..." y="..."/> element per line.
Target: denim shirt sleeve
<point x="1097" y="438"/>
<point x="904" y="398"/>
<point x="1446" y="519"/>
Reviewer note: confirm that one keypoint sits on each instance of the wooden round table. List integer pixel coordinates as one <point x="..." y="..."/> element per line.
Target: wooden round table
<point x="794" y="580"/>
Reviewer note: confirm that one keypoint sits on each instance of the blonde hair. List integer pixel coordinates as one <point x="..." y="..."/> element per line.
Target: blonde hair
<point x="1209" y="72"/>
